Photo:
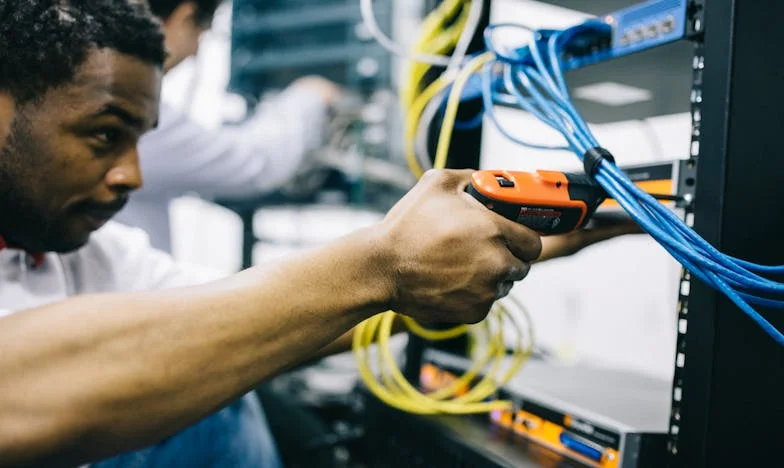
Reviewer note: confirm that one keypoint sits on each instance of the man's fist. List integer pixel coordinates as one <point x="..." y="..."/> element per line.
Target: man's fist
<point x="452" y="256"/>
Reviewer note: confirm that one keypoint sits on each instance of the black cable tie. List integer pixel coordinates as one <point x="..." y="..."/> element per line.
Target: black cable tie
<point x="593" y="157"/>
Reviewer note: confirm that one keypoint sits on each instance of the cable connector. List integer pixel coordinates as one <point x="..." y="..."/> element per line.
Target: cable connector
<point x="593" y="157"/>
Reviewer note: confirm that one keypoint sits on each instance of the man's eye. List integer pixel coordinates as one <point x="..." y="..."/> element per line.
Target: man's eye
<point x="107" y="136"/>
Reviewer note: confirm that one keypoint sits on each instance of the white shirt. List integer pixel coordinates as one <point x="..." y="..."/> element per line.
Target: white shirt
<point x="181" y="156"/>
<point x="116" y="259"/>
<point x="119" y="258"/>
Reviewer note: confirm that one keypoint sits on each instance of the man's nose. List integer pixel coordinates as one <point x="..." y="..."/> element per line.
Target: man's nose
<point x="125" y="175"/>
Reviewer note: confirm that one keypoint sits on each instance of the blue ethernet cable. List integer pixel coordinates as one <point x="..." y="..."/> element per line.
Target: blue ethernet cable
<point x="541" y="76"/>
<point x="661" y="235"/>
<point x="489" y="98"/>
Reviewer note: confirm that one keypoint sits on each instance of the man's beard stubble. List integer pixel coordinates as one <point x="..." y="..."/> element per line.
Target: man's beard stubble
<point x="22" y="224"/>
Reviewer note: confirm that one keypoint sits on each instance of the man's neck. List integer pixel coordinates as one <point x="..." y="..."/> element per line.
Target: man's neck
<point x="37" y="257"/>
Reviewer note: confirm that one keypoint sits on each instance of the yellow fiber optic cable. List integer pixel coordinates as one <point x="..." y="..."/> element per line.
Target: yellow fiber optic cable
<point x="412" y="121"/>
<point x="450" y="114"/>
<point x="434" y="38"/>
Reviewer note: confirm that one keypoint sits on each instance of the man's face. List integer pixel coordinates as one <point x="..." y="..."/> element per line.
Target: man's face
<point x="69" y="160"/>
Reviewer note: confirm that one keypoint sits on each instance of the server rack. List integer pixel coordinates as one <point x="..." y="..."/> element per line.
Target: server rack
<point x="276" y="41"/>
<point x="729" y="375"/>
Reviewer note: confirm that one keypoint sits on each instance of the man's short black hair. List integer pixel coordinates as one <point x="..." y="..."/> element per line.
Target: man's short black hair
<point x="205" y="8"/>
<point x="43" y="42"/>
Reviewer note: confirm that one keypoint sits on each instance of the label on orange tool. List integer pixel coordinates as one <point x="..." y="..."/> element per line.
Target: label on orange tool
<point x="539" y="219"/>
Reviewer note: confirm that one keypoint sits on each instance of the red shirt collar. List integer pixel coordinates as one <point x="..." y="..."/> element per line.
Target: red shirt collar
<point x="38" y="257"/>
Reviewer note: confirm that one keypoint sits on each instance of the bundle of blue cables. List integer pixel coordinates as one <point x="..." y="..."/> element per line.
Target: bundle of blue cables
<point x="532" y="78"/>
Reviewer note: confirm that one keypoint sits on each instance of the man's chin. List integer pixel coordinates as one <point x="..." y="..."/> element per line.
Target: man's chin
<point x="64" y="249"/>
<point x="67" y="244"/>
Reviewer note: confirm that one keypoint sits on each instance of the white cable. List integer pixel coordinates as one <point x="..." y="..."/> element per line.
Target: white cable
<point x="369" y="18"/>
<point x="421" y="149"/>
<point x="470" y="28"/>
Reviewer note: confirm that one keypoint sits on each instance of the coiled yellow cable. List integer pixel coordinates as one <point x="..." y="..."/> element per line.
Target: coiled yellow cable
<point x="396" y="391"/>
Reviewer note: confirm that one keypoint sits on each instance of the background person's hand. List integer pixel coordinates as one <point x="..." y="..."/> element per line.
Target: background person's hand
<point x="329" y="91"/>
<point x="452" y="256"/>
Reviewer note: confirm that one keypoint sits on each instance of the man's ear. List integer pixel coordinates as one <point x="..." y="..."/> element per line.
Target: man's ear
<point x="7" y="113"/>
<point x="183" y="14"/>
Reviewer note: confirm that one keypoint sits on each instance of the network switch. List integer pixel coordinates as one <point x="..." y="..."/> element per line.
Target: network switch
<point x="597" y="417"/>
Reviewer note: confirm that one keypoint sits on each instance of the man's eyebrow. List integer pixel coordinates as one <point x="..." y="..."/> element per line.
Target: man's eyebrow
<point x="128" y="117"/>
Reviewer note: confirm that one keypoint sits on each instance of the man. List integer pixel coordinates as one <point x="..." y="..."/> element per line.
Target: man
<point x="182" y="156"/>
<point x="104" y="349"/>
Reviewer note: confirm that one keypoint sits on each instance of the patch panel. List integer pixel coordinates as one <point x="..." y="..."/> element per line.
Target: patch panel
<point x="627" y="31"/>
<point x="647" y="24"/>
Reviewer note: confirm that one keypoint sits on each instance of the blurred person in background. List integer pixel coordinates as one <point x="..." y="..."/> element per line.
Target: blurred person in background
<point x="257" y="156"/>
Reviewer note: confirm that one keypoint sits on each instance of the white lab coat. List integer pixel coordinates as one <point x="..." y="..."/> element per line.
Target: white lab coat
<point x="181" y="156"/>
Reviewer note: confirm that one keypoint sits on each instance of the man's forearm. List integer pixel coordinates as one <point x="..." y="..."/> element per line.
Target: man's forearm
<point x="95" y="375"/>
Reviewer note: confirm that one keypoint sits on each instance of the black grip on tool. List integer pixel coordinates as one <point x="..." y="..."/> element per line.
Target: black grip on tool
<point x="593" y="157"/>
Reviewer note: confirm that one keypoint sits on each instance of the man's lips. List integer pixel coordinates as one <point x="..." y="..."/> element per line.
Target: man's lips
<point x="98" y="214"/>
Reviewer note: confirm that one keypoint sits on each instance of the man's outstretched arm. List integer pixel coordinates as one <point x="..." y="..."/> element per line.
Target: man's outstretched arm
<point x="98" y="375"/>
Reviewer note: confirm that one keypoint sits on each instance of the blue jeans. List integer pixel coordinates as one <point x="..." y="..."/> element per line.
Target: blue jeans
<point x="236" y="436"/>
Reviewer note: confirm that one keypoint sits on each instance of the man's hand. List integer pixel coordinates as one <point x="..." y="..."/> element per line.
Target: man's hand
<point x="452" y="256"/>
<point x="568" y="244"/>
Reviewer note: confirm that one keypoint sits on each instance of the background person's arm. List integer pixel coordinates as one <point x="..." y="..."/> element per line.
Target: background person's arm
<point x="256" y="156"/>
<point x="100" y="374"/>
<point x="569" y="244"/>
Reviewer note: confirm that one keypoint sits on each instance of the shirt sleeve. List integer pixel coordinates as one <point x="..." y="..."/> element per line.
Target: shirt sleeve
<point x="233" y="161"/>
<point x="119" y="258"/>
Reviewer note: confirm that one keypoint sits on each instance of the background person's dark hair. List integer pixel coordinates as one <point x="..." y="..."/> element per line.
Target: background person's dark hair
<point x="43" y="42"/>
<point x="205" y="8"/>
